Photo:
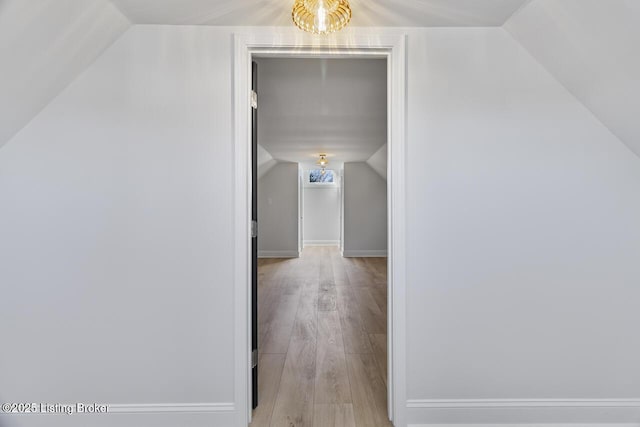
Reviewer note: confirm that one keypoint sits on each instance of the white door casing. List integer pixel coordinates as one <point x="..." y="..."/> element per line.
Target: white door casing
<point x="354" y="43"/>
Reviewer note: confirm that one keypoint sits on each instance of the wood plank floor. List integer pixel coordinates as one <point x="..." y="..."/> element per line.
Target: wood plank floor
<point x="322" y="334"/>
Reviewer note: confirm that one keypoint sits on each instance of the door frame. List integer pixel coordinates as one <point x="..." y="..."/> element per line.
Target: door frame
<point x="352" y="43"/>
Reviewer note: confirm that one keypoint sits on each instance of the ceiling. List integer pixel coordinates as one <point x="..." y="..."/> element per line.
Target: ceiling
<point x="398" y="13"/>
<point x="312" y="106"/>
<point x="588" y="46"/>
<point x="591" y="47"/>
<point x="44" y="46"/>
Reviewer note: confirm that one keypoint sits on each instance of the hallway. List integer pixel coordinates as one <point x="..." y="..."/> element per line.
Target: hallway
<point x="322" y="341"/>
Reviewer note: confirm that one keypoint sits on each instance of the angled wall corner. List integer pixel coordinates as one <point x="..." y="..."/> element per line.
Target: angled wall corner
<point x="265" y="161"/>
<point x="44" y="47"/>
<point x="591" y="49"/>
<point x="378" y="161"/>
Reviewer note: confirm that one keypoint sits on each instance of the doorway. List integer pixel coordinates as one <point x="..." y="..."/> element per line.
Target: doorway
<point x="389" y="45"/>
<point x="321" y="324"/>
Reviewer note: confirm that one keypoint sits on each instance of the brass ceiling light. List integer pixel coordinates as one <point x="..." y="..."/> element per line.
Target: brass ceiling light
<point x="323" y="162"/>
<point x="321" y="16"/>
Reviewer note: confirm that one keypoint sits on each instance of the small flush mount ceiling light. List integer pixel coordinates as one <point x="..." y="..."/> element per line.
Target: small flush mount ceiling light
<point x="323" y="162"/>
<point x="321" y="16"/>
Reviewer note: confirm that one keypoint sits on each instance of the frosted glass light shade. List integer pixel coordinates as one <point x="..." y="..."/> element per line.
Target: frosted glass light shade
<point x="321" y="16"/>
<point x="323" y="160"/>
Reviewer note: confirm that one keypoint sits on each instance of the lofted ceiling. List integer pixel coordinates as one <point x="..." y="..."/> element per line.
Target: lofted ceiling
<point x="592" y="47"/>
<point x="44" y="46"/>
<point x="312" y="106"/>
<point x="403" y="13"/>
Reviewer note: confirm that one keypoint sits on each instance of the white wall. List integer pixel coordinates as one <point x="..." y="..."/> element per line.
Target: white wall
<point x="591" y="47"/>
<point x="523" y="238"/>
<point x="44" y="46"/>
<point x="115" y="226"/>
<point x="522" y="218"/>
<point x="365" y="211"/>
<point x="278" y="211"/>
<point x="321" y="214"/>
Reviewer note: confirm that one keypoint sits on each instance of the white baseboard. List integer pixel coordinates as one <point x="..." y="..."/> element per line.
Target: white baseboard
<point x="523" y="412"/>
<point x="348" y="253"/>
<point x="278" y="254"/>
<point x="524" y="403"/>
<point x="530" y="425"/>
<point x="321" y="243"/>
<point x="154" y="408"/>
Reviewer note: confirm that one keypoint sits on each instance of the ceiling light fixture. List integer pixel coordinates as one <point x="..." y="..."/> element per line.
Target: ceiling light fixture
<point x="321" y="16"/>
<point x="323" y="162"/>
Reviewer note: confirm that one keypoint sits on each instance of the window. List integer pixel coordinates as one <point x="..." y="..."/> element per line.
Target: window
<point x="316" y="176"/>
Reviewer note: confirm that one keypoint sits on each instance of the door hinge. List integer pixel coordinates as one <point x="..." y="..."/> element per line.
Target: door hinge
<point x="254" y="100"/>
<point x="254" y="359"/>
<point x="254" y="229"/>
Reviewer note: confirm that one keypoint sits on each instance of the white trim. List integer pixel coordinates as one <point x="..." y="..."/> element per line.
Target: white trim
<point x="278" y="254"/>
<point x="355" y="42"/>
<point x="529" y="425"/>
<point x="321" y="185"/>
<point x="364" y="254"/>
<point x="242" y="233"/>
<point x="396" y="202"/>
<point x="522" y="412"/>
<point x="154" y="408"/>
<point x="321" y="243"/>
<point x="523" y="403"/>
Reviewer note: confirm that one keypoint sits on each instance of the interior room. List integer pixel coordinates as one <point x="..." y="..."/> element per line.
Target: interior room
<point x="475" y="261"/>
<point x="322" y="242"/>
<point x="315" y="115"/>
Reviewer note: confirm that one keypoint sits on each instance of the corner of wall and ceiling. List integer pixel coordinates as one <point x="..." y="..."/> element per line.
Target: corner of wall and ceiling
<point x="518" y="11"/>
<point x="122" y="12"/>
<point x="505" y="27"/>
<point x="99" y="52"/>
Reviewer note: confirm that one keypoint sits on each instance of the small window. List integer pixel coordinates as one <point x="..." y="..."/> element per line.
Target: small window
<point x="319" y="176"/>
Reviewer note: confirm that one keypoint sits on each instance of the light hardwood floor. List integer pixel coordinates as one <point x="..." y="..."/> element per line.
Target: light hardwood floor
<point x="322" y="338"/>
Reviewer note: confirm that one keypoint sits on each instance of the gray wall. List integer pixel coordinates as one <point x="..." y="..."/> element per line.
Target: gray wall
<point x="278" y="211"/>
<point x="522" y="252"/>
<point x="365" y="211"/>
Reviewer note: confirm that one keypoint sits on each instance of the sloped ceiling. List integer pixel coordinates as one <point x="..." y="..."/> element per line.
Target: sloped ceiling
<point x="409" y="13"/>
<point x="44" y="46"/>
<point x="590" y="46"/>
<point x="312" y="106"/>
<point x="593" y="48"/>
